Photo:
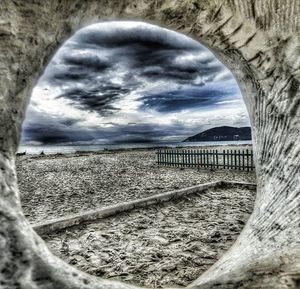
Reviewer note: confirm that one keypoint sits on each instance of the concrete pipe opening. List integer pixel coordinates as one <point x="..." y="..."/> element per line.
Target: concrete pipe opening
<point x="258" y="41"/>
<point x="122" y="88"/>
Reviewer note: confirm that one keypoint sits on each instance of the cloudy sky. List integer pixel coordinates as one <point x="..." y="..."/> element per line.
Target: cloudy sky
<point x="116" y="82"/>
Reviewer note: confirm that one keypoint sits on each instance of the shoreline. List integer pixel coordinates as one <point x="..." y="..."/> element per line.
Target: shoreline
<point x="129" y="149"/>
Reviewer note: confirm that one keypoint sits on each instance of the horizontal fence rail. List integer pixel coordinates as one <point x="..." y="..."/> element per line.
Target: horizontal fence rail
<point x="241" y="160"/>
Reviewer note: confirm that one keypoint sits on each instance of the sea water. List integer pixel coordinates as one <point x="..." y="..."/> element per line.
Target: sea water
<point x="67" y="149"/>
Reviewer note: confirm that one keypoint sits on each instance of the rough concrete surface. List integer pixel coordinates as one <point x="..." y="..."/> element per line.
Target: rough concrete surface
<point x="259" y="42"/>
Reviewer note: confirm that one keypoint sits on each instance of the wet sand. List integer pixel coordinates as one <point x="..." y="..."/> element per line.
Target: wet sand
<point x="60" y="185"/>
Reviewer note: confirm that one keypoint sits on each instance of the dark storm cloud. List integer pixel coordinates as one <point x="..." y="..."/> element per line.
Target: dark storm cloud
<point x="97" y="98"/>
<point x="87" y="62"/>
<point x="48" y="134"/>
<point x="59" y="133"/>
<point x="178" y="100"/>
<point x="114" y="34"/>
<point x="87" y="67"/>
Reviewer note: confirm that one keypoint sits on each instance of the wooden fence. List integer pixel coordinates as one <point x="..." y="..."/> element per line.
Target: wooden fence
<point x="211" y="159"/>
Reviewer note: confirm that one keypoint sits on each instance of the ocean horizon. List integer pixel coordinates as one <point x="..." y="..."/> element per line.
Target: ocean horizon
<point x="73" y="148"/>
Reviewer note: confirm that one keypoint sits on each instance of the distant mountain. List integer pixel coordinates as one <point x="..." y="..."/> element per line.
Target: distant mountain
<point x="222" y="133"/>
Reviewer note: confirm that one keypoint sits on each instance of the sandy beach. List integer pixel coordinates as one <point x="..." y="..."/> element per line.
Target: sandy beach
<point x="163" y="245"/>
<point x="59" y="185"/>
<point x="166" y="245"/>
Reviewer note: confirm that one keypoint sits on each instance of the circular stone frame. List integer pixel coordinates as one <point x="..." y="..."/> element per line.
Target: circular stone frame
<point x="258" y="40"/>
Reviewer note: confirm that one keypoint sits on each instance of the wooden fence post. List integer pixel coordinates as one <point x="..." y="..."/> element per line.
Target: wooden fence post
<point x="232" y="159"/>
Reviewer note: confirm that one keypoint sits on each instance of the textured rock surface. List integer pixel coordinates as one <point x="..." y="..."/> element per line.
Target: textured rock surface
<point x="258" y="40"/>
